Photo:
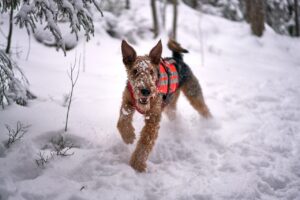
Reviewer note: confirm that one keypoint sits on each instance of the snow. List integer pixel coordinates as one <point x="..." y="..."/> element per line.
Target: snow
<point x="143" y="65"/>
<point x="249" y="150"/>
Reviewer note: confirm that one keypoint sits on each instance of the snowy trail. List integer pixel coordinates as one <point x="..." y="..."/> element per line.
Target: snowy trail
<point x="249" y="150"/>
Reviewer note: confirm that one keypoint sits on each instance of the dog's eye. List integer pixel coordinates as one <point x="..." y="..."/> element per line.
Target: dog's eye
<point x="134" y="72"/>
<point x="151" y="72"/>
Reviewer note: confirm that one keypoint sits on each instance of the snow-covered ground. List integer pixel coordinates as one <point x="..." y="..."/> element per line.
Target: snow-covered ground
<point x="249" y="150"/>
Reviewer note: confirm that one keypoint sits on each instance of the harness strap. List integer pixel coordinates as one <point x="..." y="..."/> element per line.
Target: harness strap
<point x="129" y="86"/>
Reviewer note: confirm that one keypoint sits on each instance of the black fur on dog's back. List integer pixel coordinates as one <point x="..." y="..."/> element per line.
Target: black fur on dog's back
<point x="182" y="68"/>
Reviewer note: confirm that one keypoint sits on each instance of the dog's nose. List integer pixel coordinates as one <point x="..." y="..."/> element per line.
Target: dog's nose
<point x="145" y="92"/>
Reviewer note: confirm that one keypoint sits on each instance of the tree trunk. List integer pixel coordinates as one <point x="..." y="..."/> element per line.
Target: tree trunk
<point x="11" y="15"/>
<point x="163" y="13"/>
<point x="174" y="20"/>
<point x="256" y="16"/>
<point x="248" y="10"/>
<point x="194" y="3"/>
<point x="155" y="21"/>
<point x="297" y="34"/>
<point x="127" y="6"/>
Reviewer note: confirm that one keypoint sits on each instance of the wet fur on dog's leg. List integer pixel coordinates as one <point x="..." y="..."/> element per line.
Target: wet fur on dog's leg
<point x="125" y="120"/>
<point x="192" y="90"/>
<point x="148" y="136"/>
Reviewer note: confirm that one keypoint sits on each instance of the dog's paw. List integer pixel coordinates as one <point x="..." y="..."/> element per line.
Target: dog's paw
<point x="137" y="164"/>
<point x="206" y="113"/>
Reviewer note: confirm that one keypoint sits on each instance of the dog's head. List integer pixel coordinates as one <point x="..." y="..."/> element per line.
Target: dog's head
<point x="142" y="73"/>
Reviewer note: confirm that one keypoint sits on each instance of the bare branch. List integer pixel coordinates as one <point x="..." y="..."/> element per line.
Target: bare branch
<point x="42" y="160"/>
<point x="60" y="147"/>
<point x="98" y="7"/>
<point x="73" y="83"/>
<point x="16" y="134"/>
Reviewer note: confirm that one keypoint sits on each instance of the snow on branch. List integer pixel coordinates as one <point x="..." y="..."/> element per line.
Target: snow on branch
<point x="6" y="5"/>
<point x="60" y="147"/>
<point x="11" y="87"/>
<point x="50" y="11"/>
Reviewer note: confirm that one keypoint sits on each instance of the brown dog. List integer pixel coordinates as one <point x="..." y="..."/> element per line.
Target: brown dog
<point x="154" y="85"/>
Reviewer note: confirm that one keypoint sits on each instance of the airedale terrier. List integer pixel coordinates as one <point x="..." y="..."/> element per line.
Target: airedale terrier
<point x="153" y="86"/>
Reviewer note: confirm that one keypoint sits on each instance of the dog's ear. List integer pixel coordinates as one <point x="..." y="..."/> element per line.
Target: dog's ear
<point x="129" y="54"/>
<point x="155" y="53"/>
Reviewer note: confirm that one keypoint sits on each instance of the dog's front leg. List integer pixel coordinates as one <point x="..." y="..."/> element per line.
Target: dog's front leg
<point x="125" y="120"/>
<point x="146" y="142"/>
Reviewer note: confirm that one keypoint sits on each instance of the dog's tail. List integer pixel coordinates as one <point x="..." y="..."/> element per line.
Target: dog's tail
<point x="176" y="47"/>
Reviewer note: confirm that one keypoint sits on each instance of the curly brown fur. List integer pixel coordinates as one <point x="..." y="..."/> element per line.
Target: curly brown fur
<point x="192" y="90"/>
<point x="142" y="75"/>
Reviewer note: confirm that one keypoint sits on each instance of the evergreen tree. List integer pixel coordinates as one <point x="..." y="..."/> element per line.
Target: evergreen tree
<point x="49" y="11"/>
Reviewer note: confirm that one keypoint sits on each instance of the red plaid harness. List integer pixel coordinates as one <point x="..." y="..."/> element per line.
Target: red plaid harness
<point x="168" y="78"/>
<point x="167" y="83"/>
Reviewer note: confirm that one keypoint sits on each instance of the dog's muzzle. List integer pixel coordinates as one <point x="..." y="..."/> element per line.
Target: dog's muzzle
<point x="145" y="92"/>
<point x="145" y="96"/>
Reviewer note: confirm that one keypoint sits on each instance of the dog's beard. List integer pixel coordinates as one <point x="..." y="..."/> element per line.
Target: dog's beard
<point x="144" y="107"/>
<point x="144" y="103"/>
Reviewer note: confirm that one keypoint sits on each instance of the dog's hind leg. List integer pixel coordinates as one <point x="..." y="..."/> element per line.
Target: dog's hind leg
<point x="192" y="90"/>
<point x="170" y="109"/>
<point x="125" y="120"/>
